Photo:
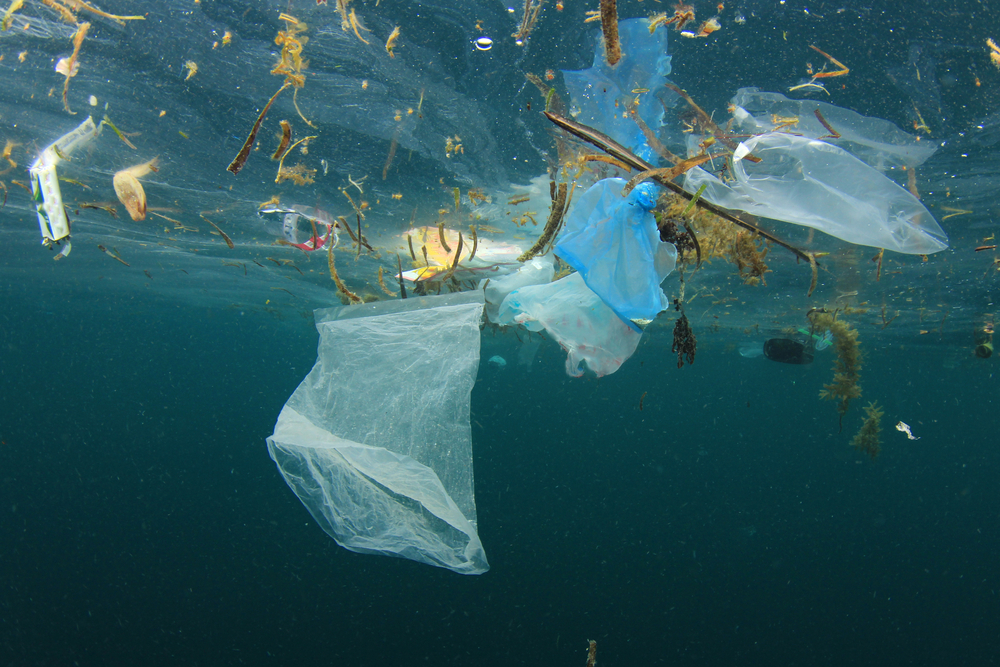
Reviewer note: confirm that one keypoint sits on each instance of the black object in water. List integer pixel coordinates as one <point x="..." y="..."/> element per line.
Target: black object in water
<point x="787" y="351"/>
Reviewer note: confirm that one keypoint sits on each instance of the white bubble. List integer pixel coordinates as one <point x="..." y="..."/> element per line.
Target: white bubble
<point x="93" y="101"/>
<point x="484" y="43"/>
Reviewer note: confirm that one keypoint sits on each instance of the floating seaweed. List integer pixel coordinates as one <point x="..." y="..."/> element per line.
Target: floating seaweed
<point x="129" y="189"/>
<point x="609" y="26"/>
<point x="556" y="213"/>
<point x="390" y="43"/>
<point x="286" y="137"/>
<point x="531" y="11"/>
<point x="868" y="438"/>
<point x="68" y="67"/>
<point x="847" y="365"/>
<point x="684" y="344"/>
<point x="237" y="164"/>
<point x="748" y="257"/>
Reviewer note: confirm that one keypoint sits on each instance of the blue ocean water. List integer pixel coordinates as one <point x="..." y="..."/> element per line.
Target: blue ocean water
<point x="709" y="515"/>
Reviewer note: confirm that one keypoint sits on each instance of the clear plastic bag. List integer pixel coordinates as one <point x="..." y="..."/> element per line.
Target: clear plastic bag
<point x="536" y="271"/>
<point x="875" y="141"/>
<point x="376" y="441"/>
<point x="815" y="184"/>
<point x="600" y="95"/>
<point x="614" y="244"/>
<point x="577" y="319"/>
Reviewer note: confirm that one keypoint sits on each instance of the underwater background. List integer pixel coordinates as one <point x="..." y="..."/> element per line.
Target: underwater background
<point x="713" y="514"/>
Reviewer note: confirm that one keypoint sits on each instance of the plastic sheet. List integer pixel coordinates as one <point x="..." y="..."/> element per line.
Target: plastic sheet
<point x="600" y="95"/>
<point x="875" y="141"/>
<point x="577" y="319"/>
<point x="376" y="441"/>
<point x="614" y="244"/>
<point x="815" y="184"/>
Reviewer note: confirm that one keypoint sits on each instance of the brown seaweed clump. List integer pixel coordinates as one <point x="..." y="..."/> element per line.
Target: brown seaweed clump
<point x="846" y="367"/>
<point x="748" y="257"/>
<point x="868" y="438"/>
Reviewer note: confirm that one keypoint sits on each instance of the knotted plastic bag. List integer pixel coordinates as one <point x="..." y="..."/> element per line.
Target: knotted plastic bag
<point x="376" y="441"/>
<point x="577" y="319"/>
<point x="614" y="244"/>
<point x="815" y="184"/>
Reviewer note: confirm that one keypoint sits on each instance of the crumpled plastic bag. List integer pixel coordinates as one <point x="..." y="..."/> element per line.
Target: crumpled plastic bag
<point x="377" y="442"/>
<point x="601" y="95"/>
<point x="536" y="271"/>
<point x="872" y="140"/>
<point x="612" y="241"/>
<point x="577" y="319"/>
<point x="815" y="184"/>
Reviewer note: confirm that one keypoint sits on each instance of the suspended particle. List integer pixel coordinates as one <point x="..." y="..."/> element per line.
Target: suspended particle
<point x="484" y="43"/>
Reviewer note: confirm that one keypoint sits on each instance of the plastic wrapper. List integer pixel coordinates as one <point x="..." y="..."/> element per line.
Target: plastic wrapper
<point x="601" y="95"/>
<point x="577" y="319"/>
<point x="614" y="244"/>
<point x="815" y="184"/>
<point x="875" y="141"/>
<point x="376" y="441"/>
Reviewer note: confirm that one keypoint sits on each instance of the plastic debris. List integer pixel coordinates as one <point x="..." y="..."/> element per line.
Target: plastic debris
<point x="577" y="319"/>
<point x="614" y="244"/>
<point x="815" y="184"/>
<point x="602" y="95"/>
<point x="377" y="441"/>
<point x="872" y="140"/>
<point x="45" y="184"/>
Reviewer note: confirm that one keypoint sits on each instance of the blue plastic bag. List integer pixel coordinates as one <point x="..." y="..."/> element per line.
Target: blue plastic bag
<point x="601" y="96"/>
<point x="612" y="241"/>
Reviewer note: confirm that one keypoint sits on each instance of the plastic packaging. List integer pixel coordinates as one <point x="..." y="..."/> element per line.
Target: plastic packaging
<point x="815" y="184"/>
<point x="877" y="142"/>
<point x="601" y="95"/>
<point x="577" y="319"/>
<point x="303" y="227"/>
<point x="376" y="441"/>
<point x="45" y="184"/>
<point x="614" y="244"/>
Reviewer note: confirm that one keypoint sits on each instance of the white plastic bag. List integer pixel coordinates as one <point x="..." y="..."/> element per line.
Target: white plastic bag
<point x="580" y="322"/>
<point x="376" y="441"/>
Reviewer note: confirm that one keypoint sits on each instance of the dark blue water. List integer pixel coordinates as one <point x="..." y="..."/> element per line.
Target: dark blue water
<point x="728" y="522"/>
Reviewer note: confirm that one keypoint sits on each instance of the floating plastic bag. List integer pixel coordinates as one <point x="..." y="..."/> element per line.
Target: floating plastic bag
<point x="872" y="140"/>
<point x="376" y="441"/>
<point x="614" y="244"/>
<point x="815" y="184"/>
<point x="600" y="95"/>
<point x="578" y="319"/>
<point x="536" y="271"/>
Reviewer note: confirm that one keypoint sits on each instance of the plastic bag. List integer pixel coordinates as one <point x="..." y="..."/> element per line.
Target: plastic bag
<point x="579" y="321"/>
<point x="818" y="185"/>
<point x="376" y="441"/>
<point x="600" y="95"/>
<point x="614" y="244"/>
<point x="536" y="271"/>
<point x="872" y="140"/>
